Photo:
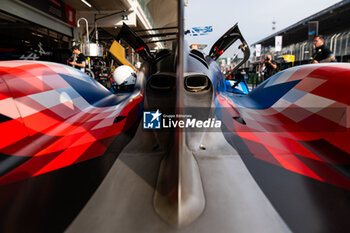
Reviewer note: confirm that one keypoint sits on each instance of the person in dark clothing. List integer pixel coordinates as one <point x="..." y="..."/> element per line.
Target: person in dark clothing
<point x="270" y="67"/>
<point x="322" y="53"/>
<point x="79" y="61"/>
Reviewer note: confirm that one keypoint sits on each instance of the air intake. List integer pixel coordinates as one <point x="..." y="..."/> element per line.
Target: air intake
<point x="163" y="82"/>
<point x="197" y="82"/>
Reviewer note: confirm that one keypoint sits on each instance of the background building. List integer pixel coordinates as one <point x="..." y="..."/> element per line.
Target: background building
<point x="333" y="24"/>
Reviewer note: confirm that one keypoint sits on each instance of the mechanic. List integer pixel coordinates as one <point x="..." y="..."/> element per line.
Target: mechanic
<point x="79" y="59"/>
<point x="322" y="53"/>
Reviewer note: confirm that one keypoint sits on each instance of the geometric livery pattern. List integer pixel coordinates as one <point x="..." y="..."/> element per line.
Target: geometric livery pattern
<point x="307" y="130"/>
<point x="51" y="124"/>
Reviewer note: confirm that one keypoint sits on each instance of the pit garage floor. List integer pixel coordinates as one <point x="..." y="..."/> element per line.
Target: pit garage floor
<point x="124" y="200"/>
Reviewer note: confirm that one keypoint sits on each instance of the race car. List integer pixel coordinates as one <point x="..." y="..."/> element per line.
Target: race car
<point x="182" y="151"/>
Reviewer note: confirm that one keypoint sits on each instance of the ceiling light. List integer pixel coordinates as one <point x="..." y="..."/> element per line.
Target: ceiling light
<point x="86" y="3"/>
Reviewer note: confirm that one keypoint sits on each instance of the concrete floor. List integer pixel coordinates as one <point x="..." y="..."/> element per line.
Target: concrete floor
<point x="124" y="200"/>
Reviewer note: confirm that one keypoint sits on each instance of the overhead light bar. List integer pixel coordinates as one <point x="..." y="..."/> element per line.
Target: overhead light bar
<point x="86" y="3"/>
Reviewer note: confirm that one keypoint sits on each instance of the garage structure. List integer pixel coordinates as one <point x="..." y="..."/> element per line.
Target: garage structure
<point x="46" y="29"/>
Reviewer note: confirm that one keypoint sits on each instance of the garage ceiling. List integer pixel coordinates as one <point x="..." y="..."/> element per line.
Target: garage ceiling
<point x="163" y="13"/>
<point x="97" y="5"/>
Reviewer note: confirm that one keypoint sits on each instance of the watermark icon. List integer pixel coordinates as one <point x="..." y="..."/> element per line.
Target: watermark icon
<point x="152" y="120"/>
